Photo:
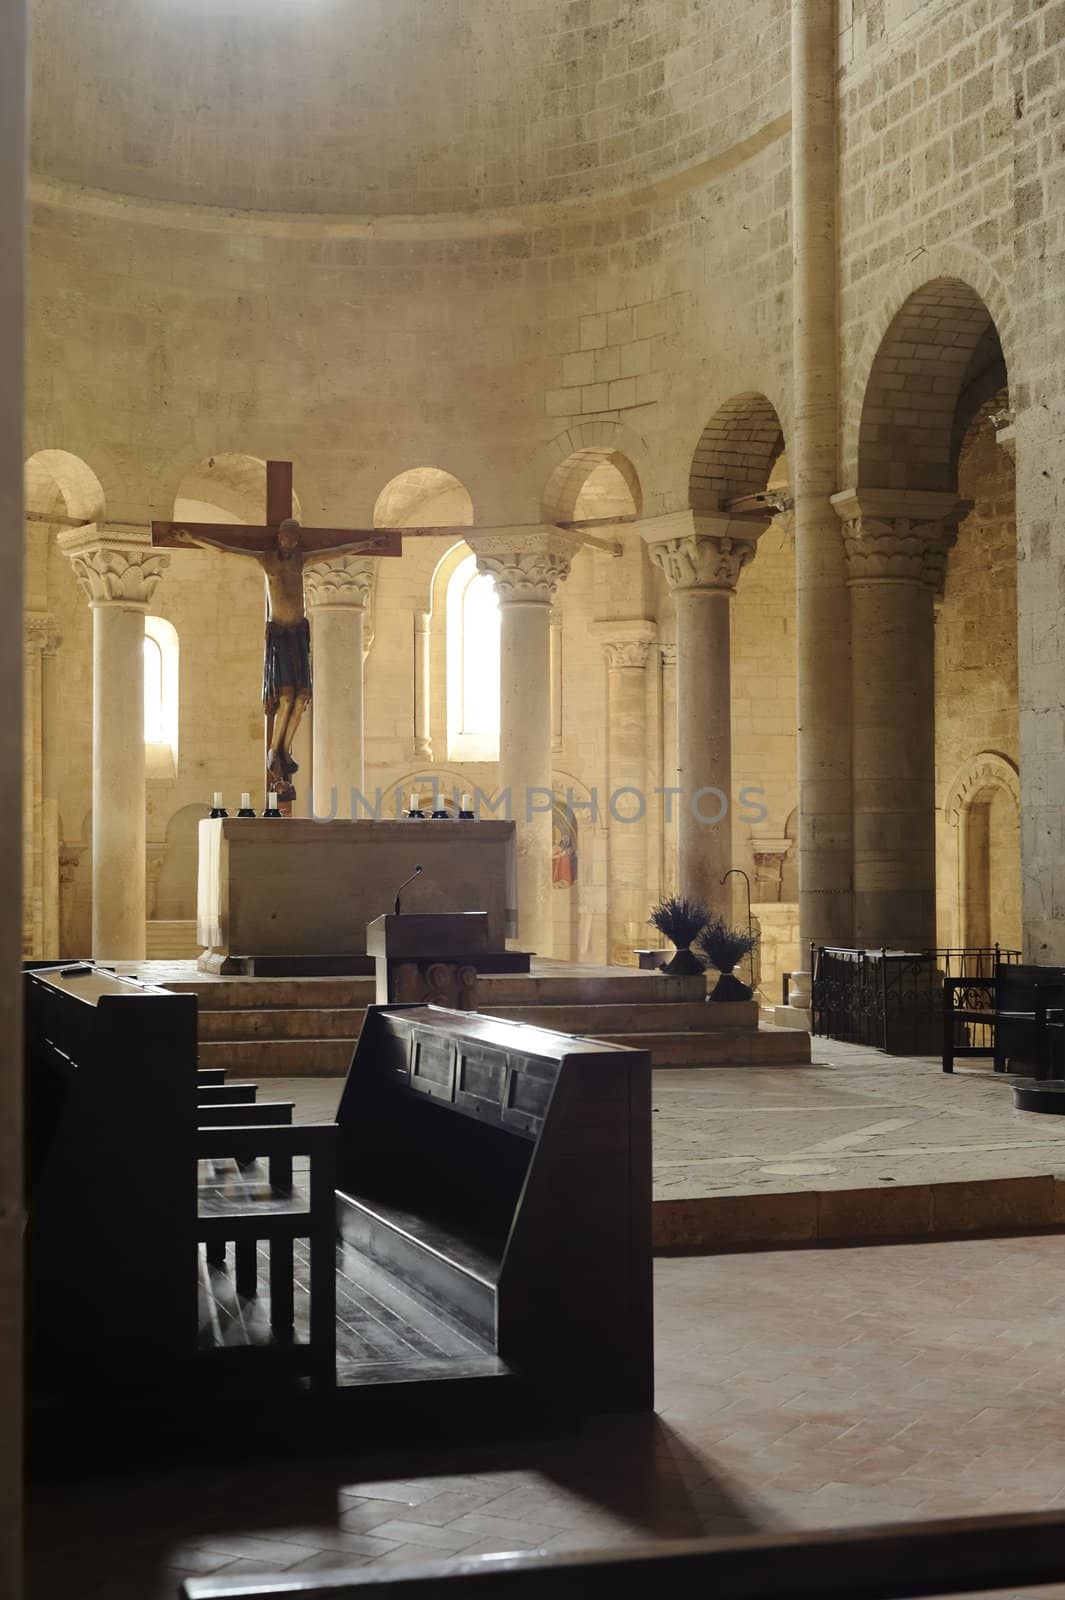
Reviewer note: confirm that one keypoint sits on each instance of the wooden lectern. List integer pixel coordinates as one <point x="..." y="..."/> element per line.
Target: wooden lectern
<point x="428" y="958"/>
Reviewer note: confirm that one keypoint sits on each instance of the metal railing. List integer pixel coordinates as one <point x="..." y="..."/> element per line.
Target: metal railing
<point x="891" y="1000"/>
<point x="900" y="1561"/>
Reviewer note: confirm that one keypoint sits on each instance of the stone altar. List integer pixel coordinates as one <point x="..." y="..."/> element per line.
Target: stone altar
<point x="296" y="888"/>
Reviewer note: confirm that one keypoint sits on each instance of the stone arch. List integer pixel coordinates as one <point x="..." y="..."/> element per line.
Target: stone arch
<point x="572" y="458"/>
<point x="592" y="484"/>
<point x="424" y="497"/>
<point x="225" y="488"/>
<point x="175" y="897"/>
<point x="987" y="778"/>
<point x="62" y="485"/>
<point x="953" y="264"/>
<point x="736" y="453"/>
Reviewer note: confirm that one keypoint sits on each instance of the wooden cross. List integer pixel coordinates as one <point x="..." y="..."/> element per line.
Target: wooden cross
<point x="242" y="539"/>
<point x="282" y="549"/>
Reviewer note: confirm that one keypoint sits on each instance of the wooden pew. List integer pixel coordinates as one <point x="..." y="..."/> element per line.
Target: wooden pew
<point x="116" y="1125"/>
<point x="1012" y="1006"/>
<point x="505" y="1172"/>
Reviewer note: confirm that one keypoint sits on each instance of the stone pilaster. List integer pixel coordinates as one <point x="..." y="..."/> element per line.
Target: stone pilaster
<point x="821" y="600"/>
<point x="338" y="592"/>
<point x="896" y="546"/>
<point x="702" y="557"/>
<point x="40" y="844"/>
<point x="527" y="565"/>
<point x="119" y="574"/>
<point x="627" y="646"/>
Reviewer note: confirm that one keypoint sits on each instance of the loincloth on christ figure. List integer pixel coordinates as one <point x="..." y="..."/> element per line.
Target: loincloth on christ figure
<point x="287" y="661"/>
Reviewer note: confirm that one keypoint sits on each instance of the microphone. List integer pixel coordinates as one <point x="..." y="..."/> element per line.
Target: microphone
<point x="403" y="885"/>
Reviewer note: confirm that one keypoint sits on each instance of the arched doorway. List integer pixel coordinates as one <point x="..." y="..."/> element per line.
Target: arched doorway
<point x="981" y="884"/>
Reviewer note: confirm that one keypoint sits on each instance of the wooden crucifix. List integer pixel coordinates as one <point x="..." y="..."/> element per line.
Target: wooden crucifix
<point x="282" y="549"/>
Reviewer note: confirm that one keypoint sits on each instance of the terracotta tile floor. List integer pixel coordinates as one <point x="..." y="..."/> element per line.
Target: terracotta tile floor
<point x="813" y="1388"/>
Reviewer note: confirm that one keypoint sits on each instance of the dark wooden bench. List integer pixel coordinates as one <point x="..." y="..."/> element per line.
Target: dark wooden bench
<point x="116" y="1127"/>
<point x="1011" y="1008"/>
<point x="504" y="1171"/>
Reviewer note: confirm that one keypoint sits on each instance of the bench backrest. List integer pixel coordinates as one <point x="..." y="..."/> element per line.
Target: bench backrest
<point x="111" y="1139"/>
<point x="539" y="1144"/>
<point x="1016" y="985"/>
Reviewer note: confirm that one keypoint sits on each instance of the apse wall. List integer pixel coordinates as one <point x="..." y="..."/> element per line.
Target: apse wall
<point x="395" y="106"/>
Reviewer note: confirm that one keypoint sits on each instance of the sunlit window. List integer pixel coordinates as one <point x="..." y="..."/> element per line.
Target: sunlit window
<point x="472" y="665"/>
<point x="160" y="694"/>
<point x="153" y="692"/>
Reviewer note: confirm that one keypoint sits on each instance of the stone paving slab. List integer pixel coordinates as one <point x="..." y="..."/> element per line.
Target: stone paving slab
<point x="858" y="1145"/>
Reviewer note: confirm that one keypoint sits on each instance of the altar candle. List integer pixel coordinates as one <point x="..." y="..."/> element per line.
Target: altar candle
<point x="467" y="802"/>
<point x="245" y="802"/>
<point x="217" y="799"/>
<point x="414" y="806"/>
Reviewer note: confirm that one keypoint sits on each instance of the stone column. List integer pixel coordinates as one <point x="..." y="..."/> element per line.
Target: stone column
<point x="528" y="565"/>
<point x="822" y="609"/>
<point x="338" y="592"/>
<point x="423" y="639"/>
<point x="669" y="768"/>
<point x="120" y="574"/>
<point x="627" y="645"/>
<point x="702" y="557"/>
<point x="40" y="846"/>
<point x="896" y="543"/>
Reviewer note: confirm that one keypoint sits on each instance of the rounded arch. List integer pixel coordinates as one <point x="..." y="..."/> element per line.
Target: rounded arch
<point x="175" y="899"/>
<point x="592" y="484"/>
<point x="977" y="780"/>
<point x="62" y="485"/>
<point x="951" y="263"/>
<point x="737" y="452"/>
<point x="566" y="464"/>
<point x="225" y="488"/>
<point x="983" y="855"/>
<point x="424" y="497"/>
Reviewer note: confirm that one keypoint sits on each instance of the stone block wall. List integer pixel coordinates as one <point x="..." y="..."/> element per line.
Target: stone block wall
<point x="571" y="235"/>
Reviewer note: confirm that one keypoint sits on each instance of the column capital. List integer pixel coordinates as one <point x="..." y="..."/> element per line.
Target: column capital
<point x="669" y="654"/>
<point x="40" y="634"/>
<point x="114" y="568"/>
<point x="898" y="535"/>
<point x="702" y="550"/>
<point x="528" y="564"/>
<point x="626" y="644"/>
<point x="339" y="583"/>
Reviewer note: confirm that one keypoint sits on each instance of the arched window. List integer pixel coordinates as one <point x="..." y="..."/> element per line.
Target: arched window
<point x="472" y="665"/>
<point x="153" y="691"/>
<point x="160" y="696"/>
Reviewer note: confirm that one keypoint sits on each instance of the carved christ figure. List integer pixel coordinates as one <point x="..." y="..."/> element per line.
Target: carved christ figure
<point x="282" y="549"/>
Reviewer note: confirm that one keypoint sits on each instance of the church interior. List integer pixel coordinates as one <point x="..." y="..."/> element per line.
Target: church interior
<point x="533" y="924"/>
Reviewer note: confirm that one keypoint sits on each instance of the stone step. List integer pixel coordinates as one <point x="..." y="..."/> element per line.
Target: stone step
<point x="620" y="987"/>
<point x="767" y="1047"/>
<point x="255" y="1059"/>
<point x="684" y="1016"/>
<point x="264" y="1023"/>
<point x="277" y="994"/>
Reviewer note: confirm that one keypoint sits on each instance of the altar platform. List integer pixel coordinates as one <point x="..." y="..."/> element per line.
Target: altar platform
<point x="307" y="1027"/>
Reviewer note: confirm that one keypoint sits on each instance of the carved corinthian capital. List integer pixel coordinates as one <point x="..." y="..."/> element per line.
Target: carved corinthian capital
<point x="115" y="569"/>
<point x="898" y="536"/>
<point x="626" y="644"/>
<point x="702" y="551"/>
<point x="341" y="581"/>
<point x="527" y="565"/>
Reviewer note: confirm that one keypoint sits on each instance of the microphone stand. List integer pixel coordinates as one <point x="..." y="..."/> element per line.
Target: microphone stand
<point x="403" y="885"/>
